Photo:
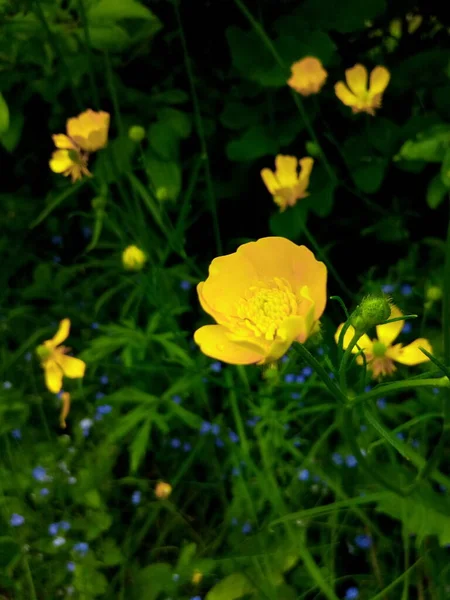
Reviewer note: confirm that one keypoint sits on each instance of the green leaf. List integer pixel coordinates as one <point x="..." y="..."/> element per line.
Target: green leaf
<point x="109" y="37"/>
<point x="345" y="16"/>
<point x="445" y="169"/>
<point x="384" y="135"/>
<point x="178" y="121"/>
<point x="54" y="201"/>
<point x="165" y="176"/>
<point x="152" y="581"/>
<point x="232" y="587"/>
<point x="115" y="160"/>
<point x="88" y="581"/>
<point x="9" y="551"/>
<point x="4" y="115"/>
<point x="291" y="47"/>
<point x="110" y="553"/>
<point x="321" y="202"/>
<point x="237" y="115"/>
<point x="291" y="222"/>
<point x="441" y="96"/>
<point x="163" y="140"/>
<point x="11" y="137"/>
<point x="369" y="177"/>
<point x="436" y="192"/>
<point x="430" y="145"/>
<point x="138" y="446"/>
<point x="115" y="10"/>
<point x="254" y="143"/>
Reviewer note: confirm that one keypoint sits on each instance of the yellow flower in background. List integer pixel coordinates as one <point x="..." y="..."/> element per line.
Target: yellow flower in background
<point x="308" y="76"/>
<point x="263" y="297"/>
<point x="86" y="133"/>
<point x="56" y="363"/>
<point x="197" y="576"/>
<point x="163" y="490"/>
<point x="286" y="184"/>
<point x="357" y="95"/>
<point x="381" y="353"/>
<point x="133" y="258"/>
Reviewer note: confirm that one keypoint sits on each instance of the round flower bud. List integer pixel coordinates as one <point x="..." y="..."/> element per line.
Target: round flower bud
<point x="133" y="258"/>
<point x="372" y="311"/>
<point x="312" y="149"/>
<point x="98" y="203"/>
<point x="434" y="293"/>
<point x="136" y="133"/>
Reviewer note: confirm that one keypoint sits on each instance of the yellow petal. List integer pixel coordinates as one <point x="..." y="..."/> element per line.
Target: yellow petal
<point x="60" y="161"/>
<point x="61" y="335"/>
<point x="53" y="376"/>
<point x="270" y="180"/>
<point x="410" y="354"/>
<point x="356" y="78"/>
<point x="379" y="80"/>
<point x="364" y="341"/>
<point x="344" y="94"/>
<point x="308" y="76"/>
<point x="286" y="170"/>
<point x="89" y="130"/>
<point x="62" y="141"/>
<point x="388" y="333"/>
<point x="214" y="342"/>
<point x="306" y="165"/>
<point x="292" y="329"/>
<point x="71" y="367"/>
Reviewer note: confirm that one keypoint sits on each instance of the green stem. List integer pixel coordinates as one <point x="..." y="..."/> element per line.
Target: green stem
<point x="314" y="571"/>
<point x="400" y="386"/>
<point x="446" y="300"/>
<point x="236" y="414"/>
<point x="29" y="577"/>
<point x="315" y="364"/>
<point x="342" y="373"/>
<point x="94" y="90"/>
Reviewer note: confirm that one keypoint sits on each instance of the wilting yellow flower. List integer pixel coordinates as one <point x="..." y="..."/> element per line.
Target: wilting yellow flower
<point x="381" y="353"/>
<point x="133" y="258"/>
<point x="356" y="94"/>
<point x="65" y="409"/>
<point x="265" y="296"/>
<point x="285" y="184"/>
<point x="86" y="133"/>
<point x="308" y="76"/>
<point x="163" y="490"/>
<point x="56" y="363"/>
<point x="197" y="576"/>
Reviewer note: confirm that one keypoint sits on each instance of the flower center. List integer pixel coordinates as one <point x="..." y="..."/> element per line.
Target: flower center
<point x="379" y="349"/>
<point x="267" y="306"/>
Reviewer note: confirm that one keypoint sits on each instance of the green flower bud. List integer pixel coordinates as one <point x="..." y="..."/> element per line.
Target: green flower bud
<point x="162" y="193"/>
<point x="136" y="133"/>
<point x="372" y="311"/>
<point x="312" y="149"/>
<point x="43" y="352"/>
<point x="434" y="293"/>
<point x="98" y="203"/>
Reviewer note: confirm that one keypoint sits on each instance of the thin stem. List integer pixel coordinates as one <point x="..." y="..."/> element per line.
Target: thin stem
<point x="344" y="363"/>
<point x="401" y="386"/>
<point x="29" y="577"/>
<point x="236" y="414"/>
<point x="446" y="300"/>
<point x="315" y="364"/>
<point x="314" y="571"/>
<point x="94" y="90"/>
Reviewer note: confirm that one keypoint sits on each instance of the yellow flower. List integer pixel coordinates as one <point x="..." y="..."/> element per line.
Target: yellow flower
<point x="285" y="184"/>
<point x="357" y="95"/>
<point x="265" y="296"/>
<point x="197" y="576"/>
<point x="56" y="363"/>
<point x="68" y="159"/>
<point x="89" y="130"/>
<point x="163" y="490"/>
<point x="308" y="76"/>
<point x="381" y="353"/>
<point x="133" y="258"/>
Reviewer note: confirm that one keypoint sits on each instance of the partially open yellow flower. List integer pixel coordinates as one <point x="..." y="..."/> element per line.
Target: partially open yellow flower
<point x="381" y="353"/>
<point x="265" y="296"/>
<point x="285" y="184"/>
<point x="356" y="94"/>
<point x="133" y="258"/>
<point x="56" y="363"/>
<point x="163" y="490"/>
<point x="308" y="76"/>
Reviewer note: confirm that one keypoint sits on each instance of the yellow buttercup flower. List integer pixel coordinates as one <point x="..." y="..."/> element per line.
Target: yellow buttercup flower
<point x="308" y="76"/>
<point x="86" y="133"/>
<point x="197" y="576"/>
<point x="133" y="258"/>
<point x="163" y="490"/>
<point x="382" y="353"/>
<point x="357" y="95"/>
<point x="285" y="184"/>
<point x="263" y="297"/>
<point x="56" y="363"/>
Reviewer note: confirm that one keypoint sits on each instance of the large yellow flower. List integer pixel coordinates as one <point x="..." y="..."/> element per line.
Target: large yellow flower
<point x="357" y="95"/>
<point x="285" y="184"/>
<point x="308" y="76"/>
<point x="381" y="353"/>
<point x="56" y="363"/>
<point x="265" y="296"/>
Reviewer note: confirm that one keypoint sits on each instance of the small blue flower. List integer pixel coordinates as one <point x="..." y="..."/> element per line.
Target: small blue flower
<point x="297" y="443"/>
<point x="233" y="437"/>
<point x="40" y="474"/>
<point x="246" y="527"/>
<point x="407" y="327"/>
<point x="216" y="366"/>
<point x="44" y="492"/>
<point x="363" y="541"/>
<point x="415" y="443"/>
<point x="70" y="566"/>
<point x="400" y="435"/>
<point x="435" y="390"/>
<point x="284" y="359"/>
<point x="235" y="471"/>
<point x="81" y="548"/>
<point x="28" y="356"/>
<point x="187" y="447"/>
<point x="351" y="461"/>
<point x="300" y="379"/>
<point x="303" y="475"/>
<point x="337" y="459"/>
<point x="215" y="429"/>
<point x="85" y="425"/>
<point x="177" y="399"/>
<point x="175" y="443"/>
<point x="7" y="385"/>
<point x="196" y="598"/>
<point x="381" y="403"/>
<point x="320" y="351"/>
<point x="296" y="395"/>
<point x="253" y="421"/>
<point x="331" y="375"/>
<point x="367" y="388"/>
<point x="104" y="379"/>
<point x="53" y="528"/>
<point x="104" y="409"/>
<point x="59" y="541"/>
<point x="16" y="520"/>
<point x="175" y="577"/>
<point x="352" y="593"/>
<point x="64" y="525"/>
<point x="406" y="289"/>
<point x="219" y="443"/>
<point x="205" y="427"/>
<point x="99" y="395"/>
<point x="95" y="325"/>
<point x="72" y="480"/>
<point x="363" y="427"/>
<point x="307" y="371"/>
<point x="388" y="288"/>
<point x="16" y="434"/>
<point x="185" y="285"/>
<point x="136" y="497"/>
<point x="289" y="378"/>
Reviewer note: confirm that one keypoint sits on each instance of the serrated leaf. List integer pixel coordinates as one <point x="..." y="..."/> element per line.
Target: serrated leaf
<point x="138" y="446"/>
<point x="436" y="192"/>
<point x="254" y="143"/>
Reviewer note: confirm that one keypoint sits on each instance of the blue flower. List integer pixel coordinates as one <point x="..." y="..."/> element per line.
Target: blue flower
<point x="233" y="437"/>
<point x="205" y="427"/>
<point x="28" y="356"/>
<point x="216" y="366"/>
<point x="388" y="288"/>
<point x="196" y="598"/>
<point x="104" y="379"/>
<point x="406" y="289"/>
<point x="59" y="541"/>
<point x="235" y="471"/>
<point x="53" y="528"/>
<point x="64" y="525"/>
<point x="215" y="429"/>
<point x="85" y="425"/>
<point x="185" y="285"/>
<point x="187" y="447"/>
<point x="7" y="385"/>
<point x="40" y="474"/>
<point x="104" y="409"/>
<point x="300" y="379"/>
<point x="400" y="435"/>
<point x="253" y="421"/>
<point x="16" y="434"/>
<point x="337" y="459"/>
<point x="284" y="359"/>
<point x="136" y="497"/>
<point x="307" y="371"/>
<point x="297" y="443"/>
<point x="407" y="327"/>
<point x="44" y="492"/>
<point x="320" y="351"/>
<point x="81" y="548"/>
<point x="352" y="593"/>
<point x="16" y="520"/>
<point x="296" y="396"/>
<point x="95" y="325"/>
<point x="363" y="541"/>
<point x="99" y="395"/>
<point x="303" y="475"/>
<point x="351" y="461"/>
<point x="175" y="443"/>
<point x="70" y="566"/>
<point x="331" y="375"/>
<point x="367" y="388"/>
<point x="246" y="527"/>
<point x="219" y="443"/>
<point x="175" y="577"/>
<point x="289" y="378"/>
<point x="435" y="390"/>
<point x="381" y="403"/>
<point x="177" y="399"/>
